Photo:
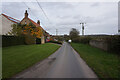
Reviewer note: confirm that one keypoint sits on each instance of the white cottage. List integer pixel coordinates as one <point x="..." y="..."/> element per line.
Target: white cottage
<point x="6" y="22"/>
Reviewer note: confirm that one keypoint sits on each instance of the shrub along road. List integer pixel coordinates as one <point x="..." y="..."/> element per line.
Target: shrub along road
<point x="105" y="64"/>
<point x="18" y="58"/>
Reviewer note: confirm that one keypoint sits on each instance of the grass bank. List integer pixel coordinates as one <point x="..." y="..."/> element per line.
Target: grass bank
<point x="18" y="58"/>
<point x="104" y="64"/>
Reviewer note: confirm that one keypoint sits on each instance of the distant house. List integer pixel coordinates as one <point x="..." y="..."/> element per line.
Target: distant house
<point x="27" y="21"/>
<point x="6" y="23"/>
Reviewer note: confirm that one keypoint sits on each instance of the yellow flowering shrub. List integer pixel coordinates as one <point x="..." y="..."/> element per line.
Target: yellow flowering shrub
<point x="37" y="31"/>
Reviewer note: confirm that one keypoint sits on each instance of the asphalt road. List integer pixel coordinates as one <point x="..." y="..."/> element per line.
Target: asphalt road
<point x="64" y="63"/>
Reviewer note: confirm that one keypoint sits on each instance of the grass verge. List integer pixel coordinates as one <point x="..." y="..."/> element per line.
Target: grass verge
<point x="105" y="65"/>
<point x="18" y="58"/>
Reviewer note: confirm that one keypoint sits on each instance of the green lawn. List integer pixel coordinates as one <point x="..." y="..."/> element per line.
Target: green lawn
<point x="104" y="64"/>
<point x="18" y="58"/>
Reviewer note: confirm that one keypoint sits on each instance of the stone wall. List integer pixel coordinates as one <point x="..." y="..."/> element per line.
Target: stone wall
<point x="99" y="44"/>
<point x="25" y="21"/>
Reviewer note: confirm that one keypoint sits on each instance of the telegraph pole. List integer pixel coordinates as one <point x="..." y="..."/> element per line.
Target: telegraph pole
<point x="83" y="28"/>
<point x="56" y="32"/>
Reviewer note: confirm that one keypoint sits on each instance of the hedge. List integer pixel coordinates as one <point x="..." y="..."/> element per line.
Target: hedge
<point x="29" y="39"/>
<point x="57" y="42"/>
<point x="12" y="40"/>
<point x="113" y="43"/>
<point x="82" y="39"/>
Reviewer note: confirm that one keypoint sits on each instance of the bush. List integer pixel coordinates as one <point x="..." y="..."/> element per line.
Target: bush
<point x="57" y="42"/>
<point x="113" y="43"/>
<point x="82" y="39"/>
<point x="29" y="39"/>
<point x="12" y="40"/>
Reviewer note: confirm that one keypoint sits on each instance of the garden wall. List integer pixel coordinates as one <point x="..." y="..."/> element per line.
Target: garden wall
<point x="108" y="43"/>
<point x="99" y="44"/>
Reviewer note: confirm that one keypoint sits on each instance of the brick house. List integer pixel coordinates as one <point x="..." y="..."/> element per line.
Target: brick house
<point x="6" y="22"/>
<point x="27" y="20"/>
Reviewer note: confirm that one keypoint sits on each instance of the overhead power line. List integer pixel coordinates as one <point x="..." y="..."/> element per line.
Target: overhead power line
<point x="30" y="10"/>
<point x="43" y="10"/>
<point x="36" y="16"/>
<point x="32" y="13"/>
<point x="26" y="5"/>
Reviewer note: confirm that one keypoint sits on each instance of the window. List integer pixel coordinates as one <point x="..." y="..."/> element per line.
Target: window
<point x="25" y="22"/>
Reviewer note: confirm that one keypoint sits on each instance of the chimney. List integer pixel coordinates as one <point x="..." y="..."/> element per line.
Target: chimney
<point x="26" y="14"/>
<point x="38" y="22"/>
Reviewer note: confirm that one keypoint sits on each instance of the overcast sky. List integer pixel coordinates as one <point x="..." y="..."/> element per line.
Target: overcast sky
<point x="100" y="17"/>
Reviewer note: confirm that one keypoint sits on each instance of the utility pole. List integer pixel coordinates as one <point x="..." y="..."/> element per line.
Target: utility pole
<point x="83" y="28"/>
<point x="56" y="32"/>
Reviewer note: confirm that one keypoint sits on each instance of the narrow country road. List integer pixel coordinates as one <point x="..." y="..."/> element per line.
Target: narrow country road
<point x="64" y="63"/>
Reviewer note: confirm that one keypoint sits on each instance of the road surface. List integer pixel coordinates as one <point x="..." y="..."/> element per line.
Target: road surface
<point x="64" y="63"/>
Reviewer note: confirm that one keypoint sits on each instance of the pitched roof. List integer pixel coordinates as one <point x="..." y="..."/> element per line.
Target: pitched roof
<point x="35" y="23"/>
<point x="38" y="26"/>
<point x="11" y="19"/>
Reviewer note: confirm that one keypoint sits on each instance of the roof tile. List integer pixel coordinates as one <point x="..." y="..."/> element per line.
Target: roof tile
<point x="11" y="19"/>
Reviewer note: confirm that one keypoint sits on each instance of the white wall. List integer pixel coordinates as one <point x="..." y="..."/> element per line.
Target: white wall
<point x="6" y="25"/>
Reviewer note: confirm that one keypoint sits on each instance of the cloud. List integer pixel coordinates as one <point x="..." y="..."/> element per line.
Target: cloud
<point x="95" y="4"/>
<point x="100" y="17"/>
<point x="14" y="9"/>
